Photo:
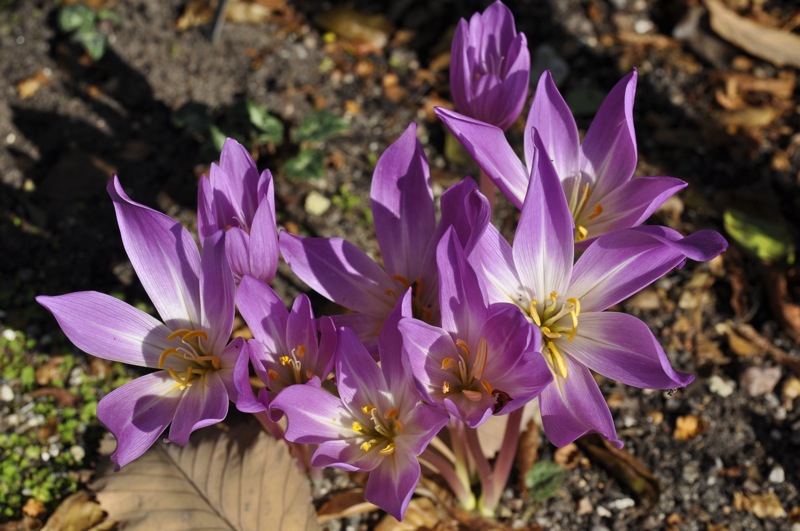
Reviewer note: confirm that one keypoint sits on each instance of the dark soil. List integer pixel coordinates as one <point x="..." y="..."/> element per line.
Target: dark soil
<point x="91" y="119"/>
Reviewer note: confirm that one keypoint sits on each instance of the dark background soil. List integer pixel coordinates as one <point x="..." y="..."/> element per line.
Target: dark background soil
<point x="90" y="119"/>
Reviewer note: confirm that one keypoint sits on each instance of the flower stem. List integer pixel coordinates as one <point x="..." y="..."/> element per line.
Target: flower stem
<point x="462" y="458"/>
<point x="505" y="460"/>
<point x="445" y="469"/>
<point x="483" y="468"/>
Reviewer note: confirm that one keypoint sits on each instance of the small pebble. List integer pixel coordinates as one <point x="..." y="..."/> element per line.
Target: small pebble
<point x="78" y="453"/>
<point x="603" y="512"/>
<point x="6" y="393"/>
<point x="777" y="475"/>
<point x="317" y="204"/>
<point x="622" y="503"/>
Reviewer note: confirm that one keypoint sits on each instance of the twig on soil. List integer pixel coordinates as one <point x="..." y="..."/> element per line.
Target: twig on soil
<point x="777" y="353"/>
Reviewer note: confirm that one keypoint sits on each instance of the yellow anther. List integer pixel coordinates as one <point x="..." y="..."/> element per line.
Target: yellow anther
<point x="195" y="333"/>
<point x="487" y="386"/>
<point x="553" y="296"/>
<point x="446" y="387"/>
<point x="472" y="396"/>
<point x="300" y="351"/>
<point x="213" y="359"/>
<point x="447" y="363"/>
<point x="387" y="450"/>
<point x="399" y="426"/>
<point x="273" y="374"/>
<point x="596" y="212"/>
<point x="549" y="333"/>
<point x="164" y="355"/>
<point x="403" y="280"/>
<point x="178" y="333"/>
<point x="575" y="302"/>
<point x="368" y="409"/>
<point x="480" y="360"/>
<point x="460" y="343"/>
<point x="535" y="314"/>
<point x="285" y="360"/>
<point x="366" y="446"/>
<point x="391" y="293"/>
<point x="391" y="413"/>
<point x="583" y="232"/>
<point x="357" y="427"/>
<point x="557" y="358"/>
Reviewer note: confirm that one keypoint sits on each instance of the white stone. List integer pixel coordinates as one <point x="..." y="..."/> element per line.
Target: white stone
<point x="777" y="475"/>
<point x="317" y="204"/>
<point x="6" y="393"/>
<point x="603" y="512"/>
<point x="622" y="503"/>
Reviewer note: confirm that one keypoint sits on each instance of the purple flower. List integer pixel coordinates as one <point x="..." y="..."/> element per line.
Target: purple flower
<point x="484" y="360"/>
<point x="595" y="175"/>
<point x="285" y="349"/>
<point x="237" y="201"/>
<point x="566" y="302"/>
<point x="405" y="223"/>
<point x="490" y="67"/>
<point x="194" y="297"/>
<point x="377" y="424"/>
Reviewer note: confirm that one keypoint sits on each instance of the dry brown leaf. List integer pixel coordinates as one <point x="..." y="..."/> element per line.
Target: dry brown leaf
<point x="689" y="427"/>
<point x="762" y="505"/>
<point x="748" y="117"/>
<point x="354" y="25"/>
<point x="197" y="13"/>
<point x="240" y="12"/>
<point x="624" y="466"/>
<point x="421" y="513"/>
<point x="774" y="45"/>
<point x="228" y="477"/>
<point x="343" y="504"/>
<point x="567" y="456"/>
<point x="76" y="513"/>
<point x="31" y="85"/>
<point x="741" y="346"/>
<point x="33" y="508"/>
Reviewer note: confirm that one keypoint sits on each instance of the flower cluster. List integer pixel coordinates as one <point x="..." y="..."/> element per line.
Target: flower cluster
<point x="457" y="324"/>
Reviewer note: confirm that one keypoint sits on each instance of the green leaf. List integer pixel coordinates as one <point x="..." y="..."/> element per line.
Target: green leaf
<point x="94" y="42"/>
<point x="217" y="137"/>
<point x="766" y="236"/>
<point x="75" y="17"/>
<point x="319" y="126"/>
<point x="107" y="14"/>
<point x="269" y="127"/>
<point x="543" y="480"/>
<point x="308" y="164"/>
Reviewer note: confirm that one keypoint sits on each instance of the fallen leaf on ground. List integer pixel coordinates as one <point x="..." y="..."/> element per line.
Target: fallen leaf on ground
<point x="689" y="427"/>
<point x="197" y="13"/>
<point x="421" y="513"/>
<point x="784" y="306"/>
<point x="624" y="466"/>
<point x="774" y="45"/>
<point x="76" y="513"/>
<point x="33" y="508"/>
<point x="228" y="477"/>
<point x="240" y="12"/>
<point x="343" y="504"/>
<point x="758" y="381"/>
<point x="353" y="25"/>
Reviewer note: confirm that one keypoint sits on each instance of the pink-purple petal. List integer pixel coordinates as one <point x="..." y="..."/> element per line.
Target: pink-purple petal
<point x="487" y="144"/>
<point x="263" y="311"/>
<point x="164" y="256"/>
<point x="550" y="115"/>
<point x="217" y="290"/>
<point x="138" y="413"/>
<point x="203" y="403"/>
<point x="621" y="347"/>
<point x="543" y="245"/>
<point x="609" y="147"/>
<point x="574" y="406"/>
<point x="493" y="261"/>
<point x="358" y="377"/>
<point x="402" y="205"/>
<point x="237" y="249"/>
<point x="110" y="328"/>
<point x="263" y="242"/>
<point x="313" y="415"/>
<point x="391" y="485"/>
<point x="462" y="298"/>
<point x="340" y="271"/>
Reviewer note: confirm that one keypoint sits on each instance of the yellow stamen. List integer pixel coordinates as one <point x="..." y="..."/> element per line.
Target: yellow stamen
<point x="486" y="386"/>
<point x="178" y="333"/>
<point x="273" y="374"/>
<point x="300" y="351"/>
<point x="535" y="314"/>
<point x="368" y="409"/>
<point x="583" y="232"/>
<point x="550" y="334"/>
<point x="460" y="343"/>
<point x="447" y="363"/>
<point x="285" y="360"/>
<point x="387" y="450"/>
<point x="164" y="355"/>
<point x="577" y="304"/>
<point x="445" y="387"/>
<point x="596" y="212"/>
<point x="366" y="446"/>
<point x="195" y="333"/>
<point x="557" y="358"/>
<point x="357" y="427"/>
<point x="391" y="413"/>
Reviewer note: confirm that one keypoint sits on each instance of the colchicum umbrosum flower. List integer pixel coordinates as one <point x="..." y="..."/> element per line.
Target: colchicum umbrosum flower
<point x="236" y="201"/>
<point x="286" y="348"/>
<point x="405" y="223"/>
<point x="484" y="360"/>
<point x="566" y="303"/>
<point x="377" y="423"/>
<point x="595" y="175"/>
<point x="490" y="67"/>
<point x="195" y="298"/>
